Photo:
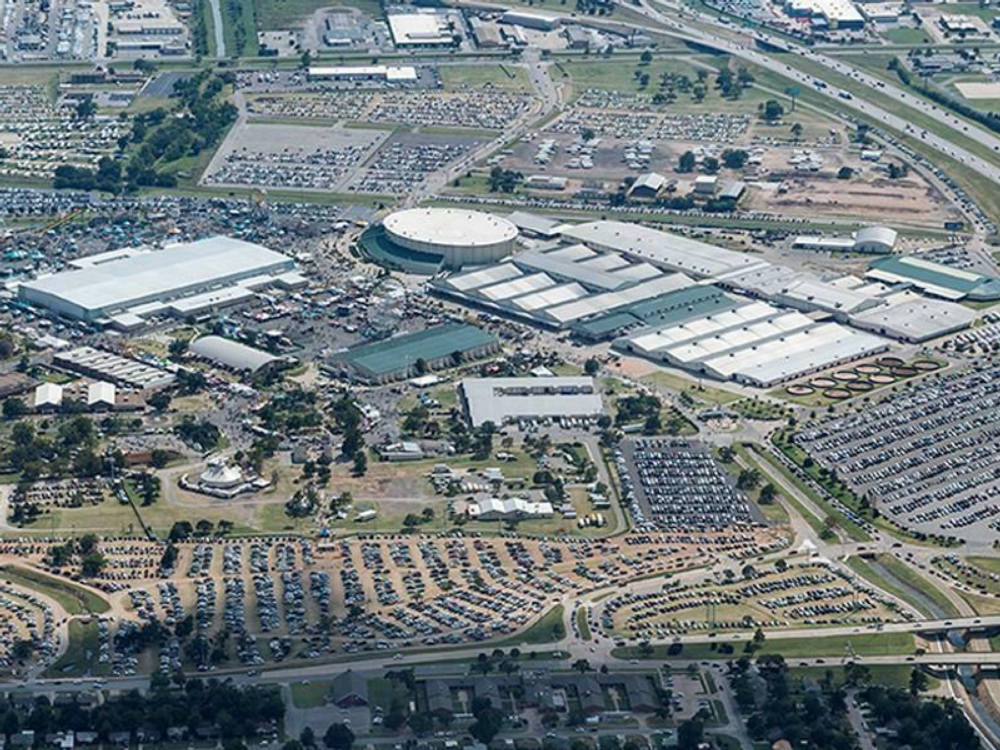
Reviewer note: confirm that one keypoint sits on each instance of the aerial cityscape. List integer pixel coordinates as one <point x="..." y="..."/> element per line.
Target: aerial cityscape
<point x="511" y="375"/>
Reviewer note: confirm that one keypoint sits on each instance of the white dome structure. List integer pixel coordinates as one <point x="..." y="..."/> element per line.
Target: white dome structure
<point x="461" y="237"/>
<point x="220" y="475"/>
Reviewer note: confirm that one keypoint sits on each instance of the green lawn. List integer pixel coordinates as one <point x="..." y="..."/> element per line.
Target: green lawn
<point x="74" y="599"/>
<point x="895" y="676"/>
<point x="310" y="694"/>
<point x="906" y="36"/>
<point x="583" y="624"/>
<point x="698" y="391"/>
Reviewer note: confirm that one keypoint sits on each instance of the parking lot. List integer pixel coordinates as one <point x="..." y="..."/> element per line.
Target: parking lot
<point x="810" y="593"/>
<point x="925" y="457"/>
<point x="677" y="485"/>
<point x="300" y="158"/>
<point x="39" y="135"/>
<point x="273" y="599"/>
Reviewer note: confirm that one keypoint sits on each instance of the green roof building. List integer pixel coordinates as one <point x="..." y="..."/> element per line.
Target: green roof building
<point x="398" y="357"/>
<point x="935" y="279"/>
<point x="667" y="309"/>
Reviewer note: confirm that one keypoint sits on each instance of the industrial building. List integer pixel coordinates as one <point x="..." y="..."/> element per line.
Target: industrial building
<point x="699" y="260"/>
<point x="106" y="366"/>
<point x="909" y="317"/>
<point x="124" y="288"/>
<point x="414" y="30"/>
<point x="396" y="358"/>
<point x="831" y="14"/>
<point x="503" y="400"/>
<point x="935" y="279"/>
<point x="755" y="344"/>
<point x="529" y="20"/>
<point x="233" y="355"/>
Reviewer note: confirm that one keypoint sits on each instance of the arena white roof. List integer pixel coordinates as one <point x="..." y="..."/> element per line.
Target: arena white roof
<point x="500" y="400"/>
<point x="450" y="227"/>
<point x="157" y="274"/>
<point x="699" y="259"/>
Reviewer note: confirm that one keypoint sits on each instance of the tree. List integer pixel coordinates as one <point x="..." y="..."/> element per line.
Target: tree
<point x="86" y="108"/>
<point x="734" y="158"/>
<point x="177" y="348"/>
<point x="793" y="94"/>
<point x="690" y="734"/>
<point x="748" y="479"/>
<point x="338" y="737"/>
<point x="92" y="565"/>
<point x="768" y="494"/>
<point x="710" y="164"/>
<point x="797" y="130"/>
<point x="421" y="722"/>
<point x="772" y="111"/>
<point x="646" y="57"/>
<point x="687" y="162"/>
<point x="488" y="723"/>
<point x="918" y="681"/>
<point x="360" y="464"/>
<point x="591" y="367"/>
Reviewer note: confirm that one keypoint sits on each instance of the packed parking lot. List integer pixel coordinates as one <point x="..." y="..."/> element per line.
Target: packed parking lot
<point x="302" y="158"/>
<point x="406" y="160"/>
<point x="925" y="456"/>
<point x="810" y="593"/>
<point x="677" y="485"/>
<point x="38" y="135"/>
<point x="482" y="109"/>
<point x="270" y="599"/>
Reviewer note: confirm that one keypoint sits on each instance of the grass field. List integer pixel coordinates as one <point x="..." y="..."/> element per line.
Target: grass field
<point x="72" y="598"/>
<point x="288" y="14"/>
<point x="583" y="624"/>
<point x="698" y="391"/>
<point x="499" y="76"/>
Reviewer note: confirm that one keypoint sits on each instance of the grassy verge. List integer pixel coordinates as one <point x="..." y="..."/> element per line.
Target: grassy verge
<point x="583" y="624"/>
<point x="74" y="599"/>
<point x="867" y="644"/>
<point x="548" y="629"/>
<point x="81" y="657"/>
<point x="894" y="676"/>
<point x="903" y="583"/>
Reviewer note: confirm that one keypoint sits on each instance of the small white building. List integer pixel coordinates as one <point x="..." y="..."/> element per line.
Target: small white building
<point x="509" y="509"/>
<point x="48" y="396"/>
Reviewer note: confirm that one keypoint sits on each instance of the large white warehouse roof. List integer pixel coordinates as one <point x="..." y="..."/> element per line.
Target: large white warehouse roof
<point x="175" y="271"/>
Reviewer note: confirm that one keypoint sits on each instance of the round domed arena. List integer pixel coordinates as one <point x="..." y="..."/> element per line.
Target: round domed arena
<point x="424" y="240"/>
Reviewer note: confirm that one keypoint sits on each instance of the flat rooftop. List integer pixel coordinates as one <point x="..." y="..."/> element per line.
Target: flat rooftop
<point x="156" y="274"/>
<point x="500" y="400"/>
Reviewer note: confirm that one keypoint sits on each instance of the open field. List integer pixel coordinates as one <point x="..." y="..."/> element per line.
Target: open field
<point x="881" y="644"/>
